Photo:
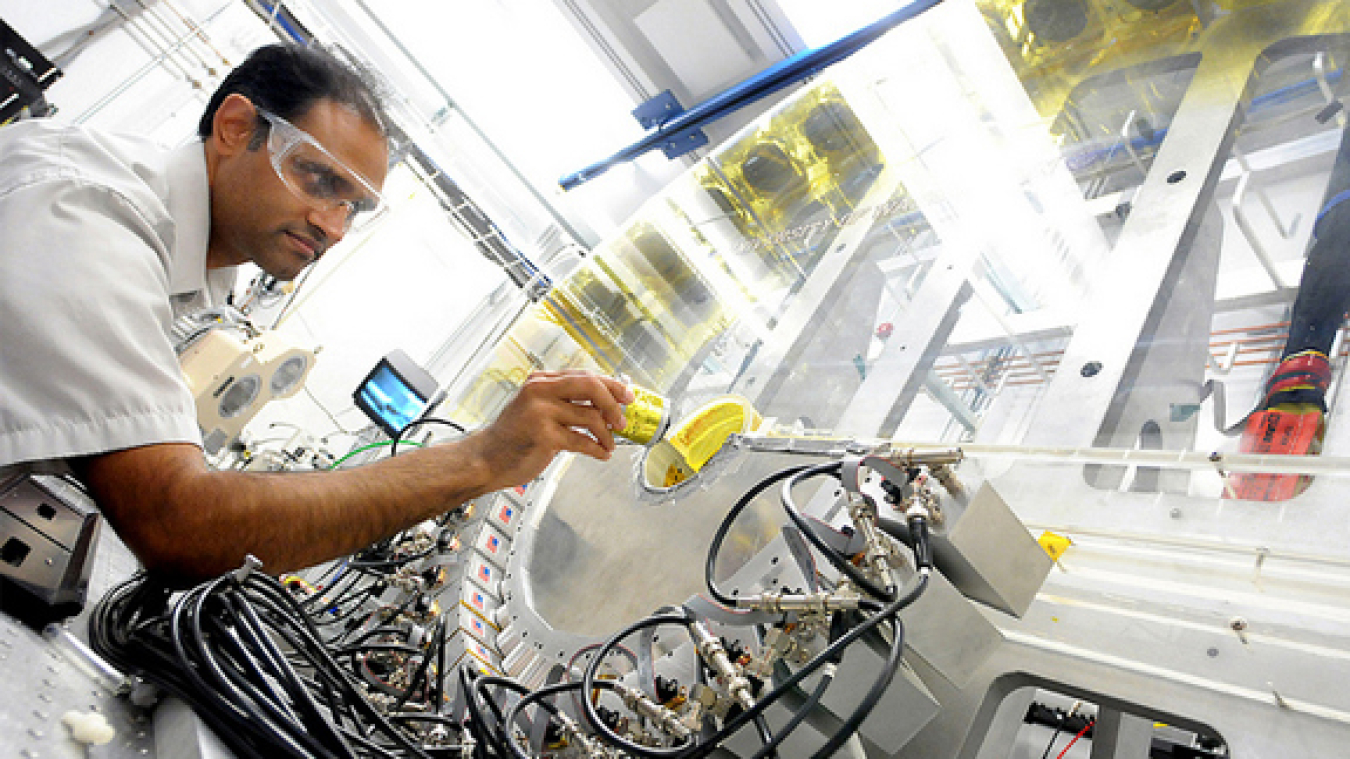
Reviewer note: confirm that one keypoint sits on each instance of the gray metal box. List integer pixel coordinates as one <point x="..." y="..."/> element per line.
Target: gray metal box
<point x="989" y="555"/>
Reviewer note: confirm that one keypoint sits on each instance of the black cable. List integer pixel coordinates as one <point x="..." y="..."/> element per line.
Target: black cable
<point x="272" y="591"/>
<point x="1059" y="728"/>
<point x="393" y="447"/>
<point x="500" y="739"/>
<point x="217" y="648"/>
<point x="351" y="578"/>
<point x="421" y="674"/>
<point x="836" y="559"/>
<point x="292" y="696"/>
<point x="831" y="652"/>
<point x="326" y="613"/>
<point x="766" y="736"/>
<point x="392" y="563"/>
<point x="513" y="713"/>
<point x="797" y="718"/>
<point x="873" y="696"/>
<point x="439" y="693"/>
<point x="682" y="617"/>
<point x="709" y="566"/>
<point x="240" y="711"/>
<point x="476" y="722"/>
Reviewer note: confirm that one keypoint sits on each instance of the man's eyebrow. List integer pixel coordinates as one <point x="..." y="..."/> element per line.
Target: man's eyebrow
<point x="350" y="181"/>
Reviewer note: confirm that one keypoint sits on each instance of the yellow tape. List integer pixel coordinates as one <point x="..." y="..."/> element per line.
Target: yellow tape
<point x="1054" y="545"/>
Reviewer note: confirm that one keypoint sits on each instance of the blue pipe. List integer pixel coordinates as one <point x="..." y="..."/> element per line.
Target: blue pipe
<point x="763" y="84"/>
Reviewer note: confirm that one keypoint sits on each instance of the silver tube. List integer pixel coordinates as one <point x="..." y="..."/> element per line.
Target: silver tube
<point x="140" y="73"/>
<point x="84" y="658"/>
<point x="148" y="42"/>
<point x="165" y="30"/>
<point x="192" y="24"/>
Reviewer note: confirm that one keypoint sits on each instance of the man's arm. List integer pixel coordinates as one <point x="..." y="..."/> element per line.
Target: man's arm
<point x="189" y="522"/>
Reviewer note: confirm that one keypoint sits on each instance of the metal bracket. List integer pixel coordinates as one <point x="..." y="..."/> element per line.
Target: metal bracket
<point x="684" y="142"/>
<point x="656" y="112"/>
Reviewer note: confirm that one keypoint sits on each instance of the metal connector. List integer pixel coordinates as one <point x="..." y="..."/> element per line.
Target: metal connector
<point x="910" y="457"/>
<point x="799" y="603"/>
<point x="947" y="478"/>
<point x="862" y="510"/>
<point x="574" y="732"/>
<point x="715" y="655"/>
<point x="251" y="564"/>
<point x="665" y="719"/>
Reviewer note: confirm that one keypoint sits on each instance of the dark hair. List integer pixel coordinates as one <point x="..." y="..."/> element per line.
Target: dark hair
<point x="289" y="79"/>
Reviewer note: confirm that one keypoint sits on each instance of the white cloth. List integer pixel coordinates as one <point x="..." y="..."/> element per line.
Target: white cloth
<point x="102" y="244"/>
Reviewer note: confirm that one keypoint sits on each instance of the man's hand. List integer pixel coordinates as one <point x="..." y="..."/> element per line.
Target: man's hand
<point x="552" y="412"/>
<point x="189" y="522"/>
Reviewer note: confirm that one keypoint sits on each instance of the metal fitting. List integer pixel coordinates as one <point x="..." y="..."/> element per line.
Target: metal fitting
<point x="251" y="563"/>
<point x="910" y="457"/>
<point x="947" y="478"/>
<point x="715" y="654"/>
<point x="574" y="732"/>
<point x="863" y="512"/>
<point x="819" y="602"/>
<point x="924" y="503"/>
<point x="663" y="718"/>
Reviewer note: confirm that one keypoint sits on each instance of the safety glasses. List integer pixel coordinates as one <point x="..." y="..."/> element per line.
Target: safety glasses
<point x="317" y="176"/>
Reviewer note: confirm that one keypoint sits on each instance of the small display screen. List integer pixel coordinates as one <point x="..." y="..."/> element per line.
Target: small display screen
<point x="386" y="396"/>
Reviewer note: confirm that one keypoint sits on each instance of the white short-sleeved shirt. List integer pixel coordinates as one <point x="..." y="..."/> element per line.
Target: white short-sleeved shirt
<point x="102" y="244"/>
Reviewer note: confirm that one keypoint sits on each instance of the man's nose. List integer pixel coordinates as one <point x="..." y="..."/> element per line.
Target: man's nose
<point x="332" y="221"/>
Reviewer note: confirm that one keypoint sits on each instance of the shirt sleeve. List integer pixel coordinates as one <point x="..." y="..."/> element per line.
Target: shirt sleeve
<point x="87" y="365"/>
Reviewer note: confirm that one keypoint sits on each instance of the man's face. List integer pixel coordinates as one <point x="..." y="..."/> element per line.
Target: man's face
<point x="258" y="217"/>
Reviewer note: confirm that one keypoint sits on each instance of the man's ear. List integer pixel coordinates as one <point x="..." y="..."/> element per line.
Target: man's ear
<point x="234" y="123"/>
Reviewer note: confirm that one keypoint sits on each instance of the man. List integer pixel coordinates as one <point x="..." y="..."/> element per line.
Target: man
<point x="105" y="240"/>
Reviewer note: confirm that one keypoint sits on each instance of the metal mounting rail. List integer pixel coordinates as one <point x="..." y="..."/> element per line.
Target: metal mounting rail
<point x="763" y="84"/>
<point x="829" y="446"/>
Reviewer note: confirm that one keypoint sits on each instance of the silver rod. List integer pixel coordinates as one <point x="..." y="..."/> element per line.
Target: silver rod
<point x="140" y="74"/>
<point x="148" y="42"/>
<point x="192" y="24"/>
<point x="922" y="452"/>
<point x="165" y="29"/>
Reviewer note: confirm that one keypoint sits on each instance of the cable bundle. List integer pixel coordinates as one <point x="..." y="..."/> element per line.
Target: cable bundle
<point x="341" y="672"/>
<point x="244" y="654"/>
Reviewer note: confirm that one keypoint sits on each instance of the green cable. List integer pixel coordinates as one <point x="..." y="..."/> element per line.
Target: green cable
<point x="365" y="448"/>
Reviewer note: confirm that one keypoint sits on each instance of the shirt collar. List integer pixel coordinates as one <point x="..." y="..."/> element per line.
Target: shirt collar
<point x="189" y="206"/>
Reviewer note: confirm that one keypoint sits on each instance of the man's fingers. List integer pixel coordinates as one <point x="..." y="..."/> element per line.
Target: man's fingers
<point x="574" y="416"/>
<point x="621" y="392"/>
<point x="584" y="444"/>
<point x="604" y="393"/>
